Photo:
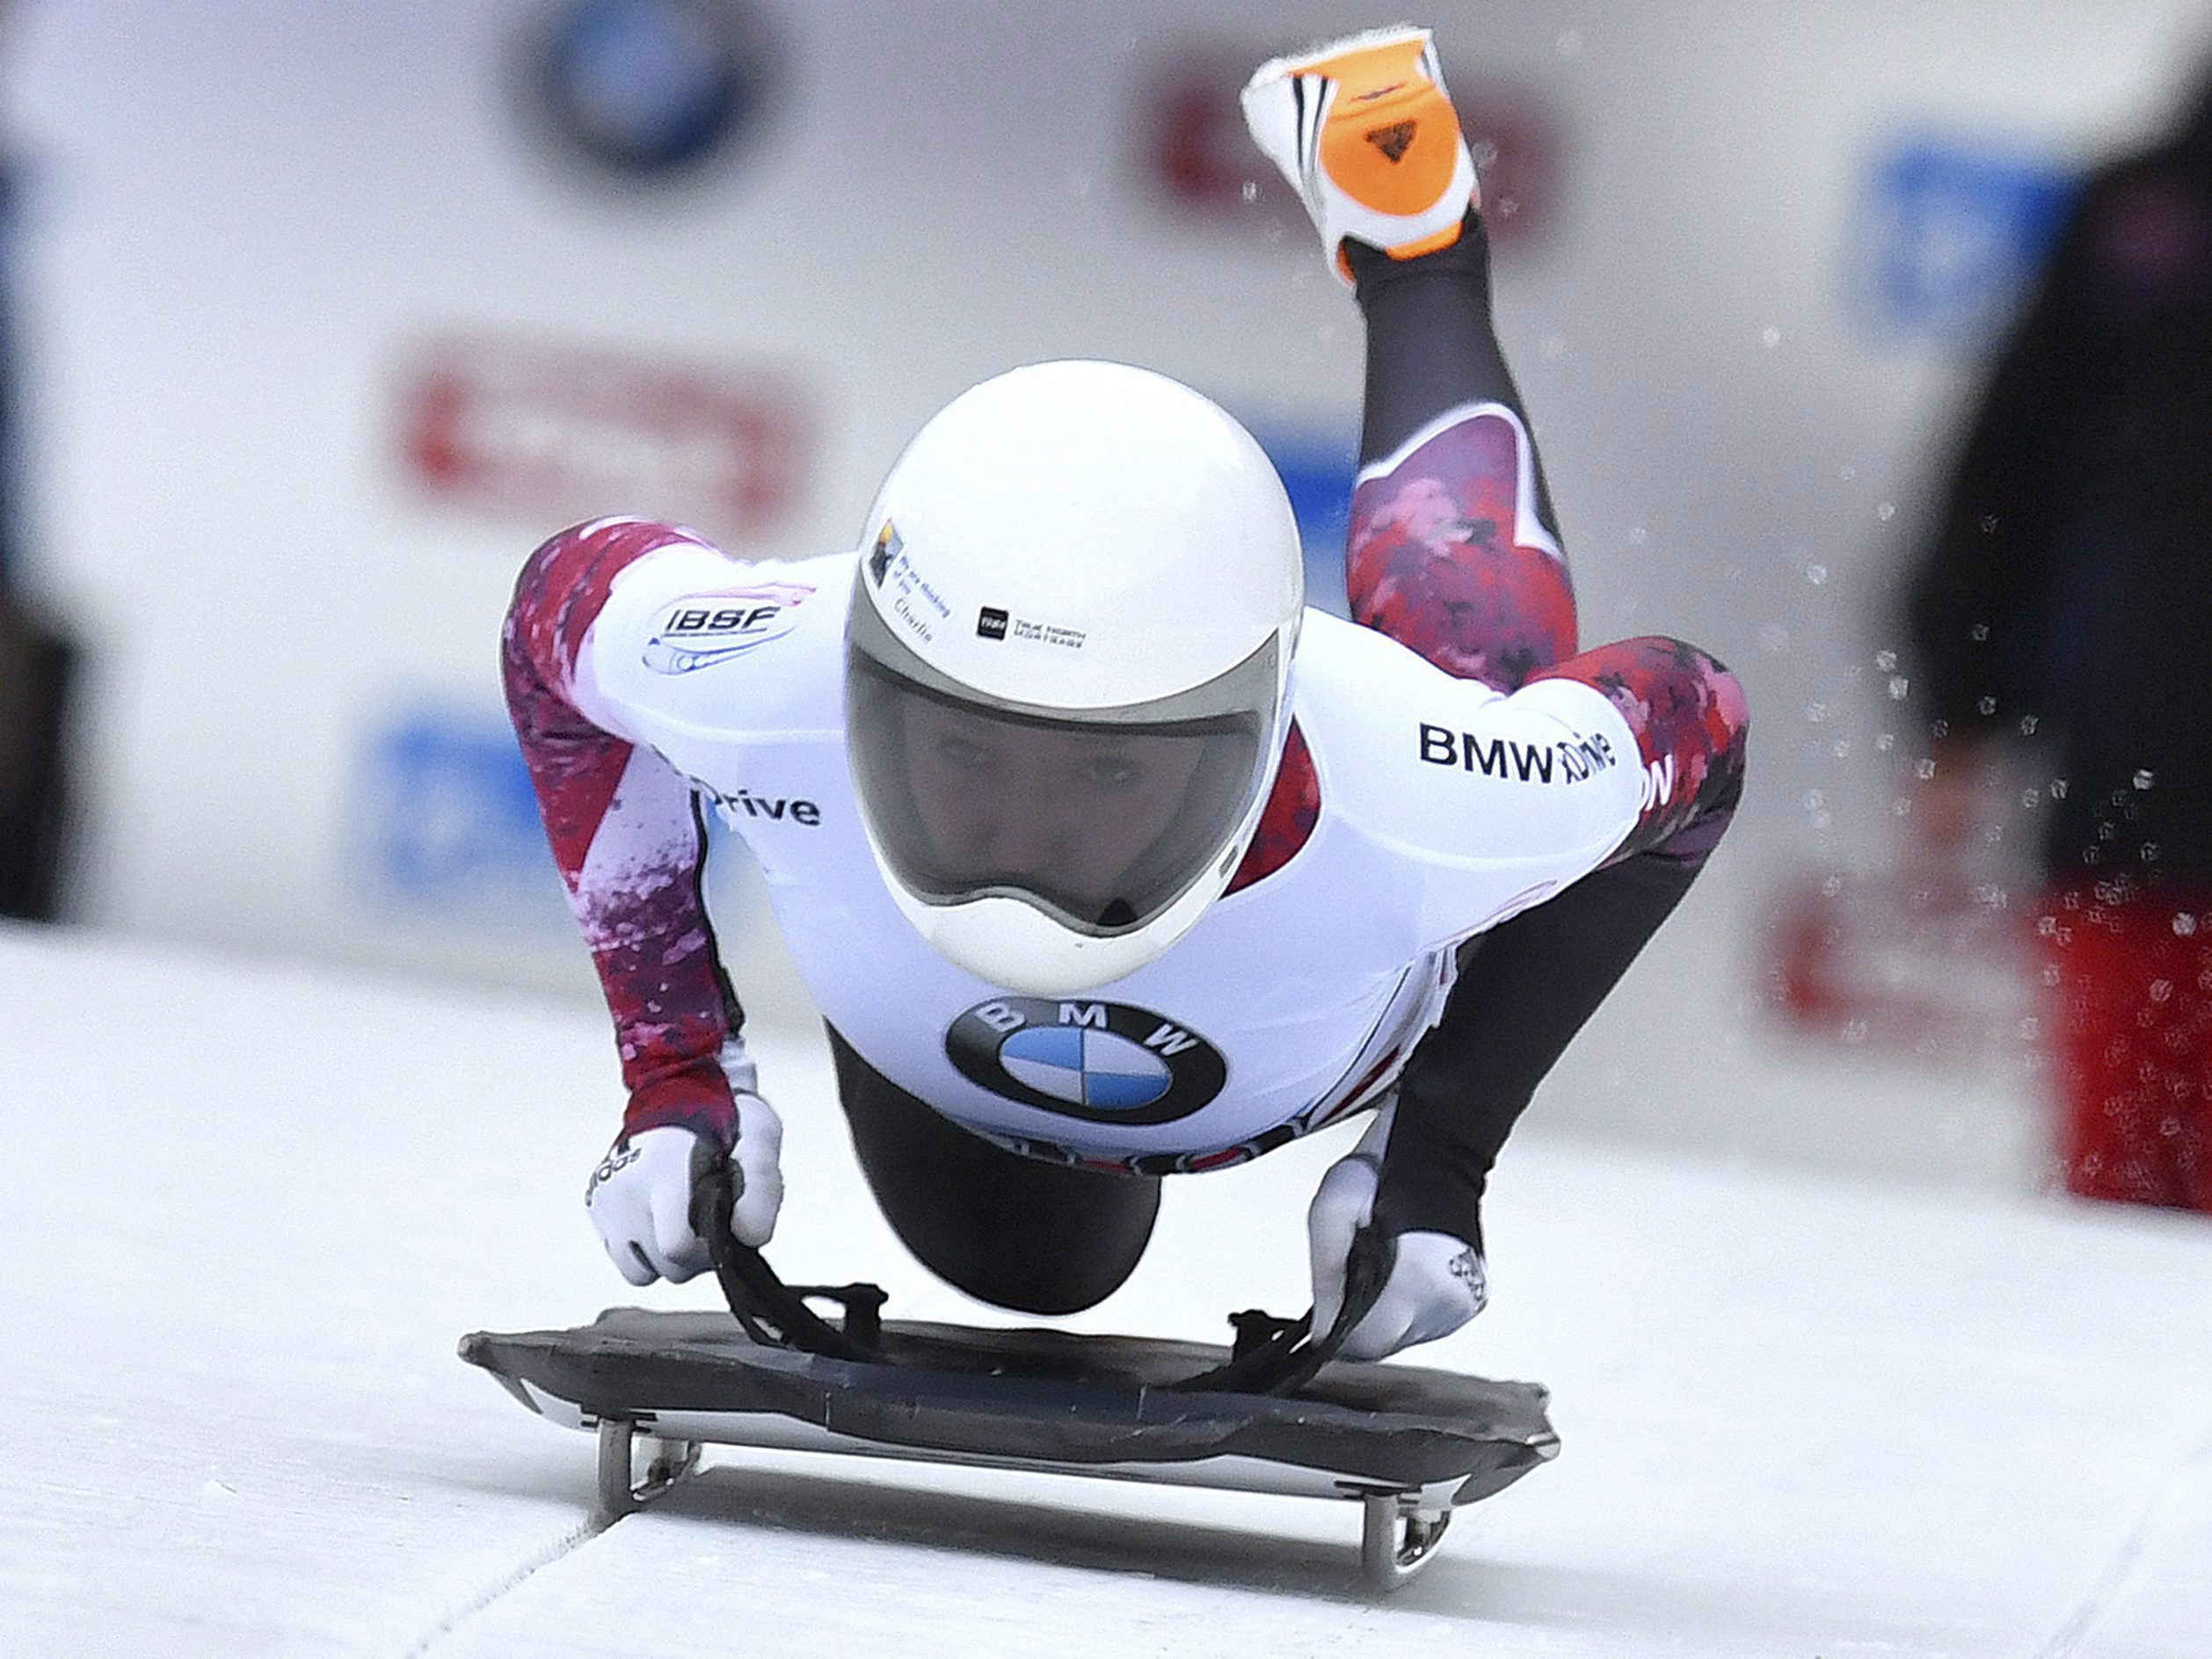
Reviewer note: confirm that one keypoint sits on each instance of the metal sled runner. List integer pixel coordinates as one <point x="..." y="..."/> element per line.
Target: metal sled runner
<point x="1273" y="1414"/>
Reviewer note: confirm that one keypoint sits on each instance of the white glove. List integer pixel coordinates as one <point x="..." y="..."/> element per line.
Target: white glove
<point x="640" y="1196"/>
<point x="1436" y="1283"/>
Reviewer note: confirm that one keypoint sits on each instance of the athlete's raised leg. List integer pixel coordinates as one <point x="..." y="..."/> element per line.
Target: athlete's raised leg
<point x="1454" y="548"/>
<point x="1454" y="551"/>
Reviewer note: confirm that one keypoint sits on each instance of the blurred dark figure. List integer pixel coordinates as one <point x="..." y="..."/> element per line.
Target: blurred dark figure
<point x="2068" y="594"/>
<point x="34" y="677"/>
<point x="36" y="664"/>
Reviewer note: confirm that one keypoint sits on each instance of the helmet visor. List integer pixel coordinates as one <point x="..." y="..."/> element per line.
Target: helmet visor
<point x="1102" y="819"/>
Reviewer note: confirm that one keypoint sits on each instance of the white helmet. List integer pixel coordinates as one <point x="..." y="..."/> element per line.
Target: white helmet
<point x="1067" y="664"/>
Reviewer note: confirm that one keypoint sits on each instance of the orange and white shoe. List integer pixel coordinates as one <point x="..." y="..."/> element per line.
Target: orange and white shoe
<point x="1364" y="130"/>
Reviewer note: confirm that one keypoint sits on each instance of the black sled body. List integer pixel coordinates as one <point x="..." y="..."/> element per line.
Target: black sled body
<point x="1411" y="1442"/>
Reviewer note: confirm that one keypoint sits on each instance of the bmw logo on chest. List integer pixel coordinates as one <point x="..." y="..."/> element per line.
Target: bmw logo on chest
<point x="1103" y="1062"/>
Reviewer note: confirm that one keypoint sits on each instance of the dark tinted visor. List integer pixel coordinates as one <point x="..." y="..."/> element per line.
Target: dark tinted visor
<point x="1102" y="822"/>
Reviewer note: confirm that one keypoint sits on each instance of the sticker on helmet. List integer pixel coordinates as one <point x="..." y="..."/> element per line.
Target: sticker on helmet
<point x="701" y="629"/>
<point x="914" y="599"/>
<point x="994" y="622"/>
<point x="886" y="549"/>
<point x="1102" y="1062"/>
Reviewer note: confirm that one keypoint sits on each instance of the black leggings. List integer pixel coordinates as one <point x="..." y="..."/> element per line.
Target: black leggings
<point x="1014" y="1232"/>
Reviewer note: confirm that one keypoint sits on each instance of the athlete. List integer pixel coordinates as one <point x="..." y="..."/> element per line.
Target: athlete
<point x="1103" y="856"/>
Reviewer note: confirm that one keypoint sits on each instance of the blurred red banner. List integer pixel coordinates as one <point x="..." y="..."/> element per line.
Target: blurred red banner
<point x="549" y="434"/>
<point x="1927" y="962"/>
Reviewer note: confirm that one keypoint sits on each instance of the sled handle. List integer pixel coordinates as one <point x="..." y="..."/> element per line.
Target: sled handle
<point x="772" y="1312"/>
<point x="1285" y="1359"/>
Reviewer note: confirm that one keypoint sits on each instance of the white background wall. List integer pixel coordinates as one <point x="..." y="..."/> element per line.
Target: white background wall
<point x="246" y="220"/>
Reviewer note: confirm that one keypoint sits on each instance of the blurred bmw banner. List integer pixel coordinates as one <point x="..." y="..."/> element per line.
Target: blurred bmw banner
<point x="648" y="90"/>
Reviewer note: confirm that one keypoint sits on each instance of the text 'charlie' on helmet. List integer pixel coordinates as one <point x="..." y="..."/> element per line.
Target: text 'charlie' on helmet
<point x="1067" y="665"/>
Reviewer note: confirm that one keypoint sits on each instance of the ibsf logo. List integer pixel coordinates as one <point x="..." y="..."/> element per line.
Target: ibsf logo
<point x="1102" y="1062"/>
<point x="701" y="630"/>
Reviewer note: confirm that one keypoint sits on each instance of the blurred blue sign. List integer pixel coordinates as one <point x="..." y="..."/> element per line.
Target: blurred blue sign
<point x="447" y="821"/>
<point x="1958" y="233"/>
<point x="1318" y="474"/>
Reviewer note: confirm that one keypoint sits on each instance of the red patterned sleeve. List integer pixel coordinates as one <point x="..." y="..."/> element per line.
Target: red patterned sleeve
<point x="627" y="833"/>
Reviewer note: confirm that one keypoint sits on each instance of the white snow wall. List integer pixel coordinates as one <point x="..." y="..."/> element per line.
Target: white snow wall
<point x="247" y="225"/>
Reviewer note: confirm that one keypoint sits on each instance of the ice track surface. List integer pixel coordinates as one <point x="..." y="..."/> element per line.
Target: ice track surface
<point x="250" y="1210"/>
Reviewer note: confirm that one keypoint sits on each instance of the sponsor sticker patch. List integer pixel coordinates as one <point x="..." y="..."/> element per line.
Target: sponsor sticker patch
<point x="992" y="622"/>
<point x="913" y="599"/>
<point x="701" y="629"/>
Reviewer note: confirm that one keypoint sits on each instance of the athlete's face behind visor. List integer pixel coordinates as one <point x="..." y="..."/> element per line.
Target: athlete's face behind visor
<point x="1104" y="825"/>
